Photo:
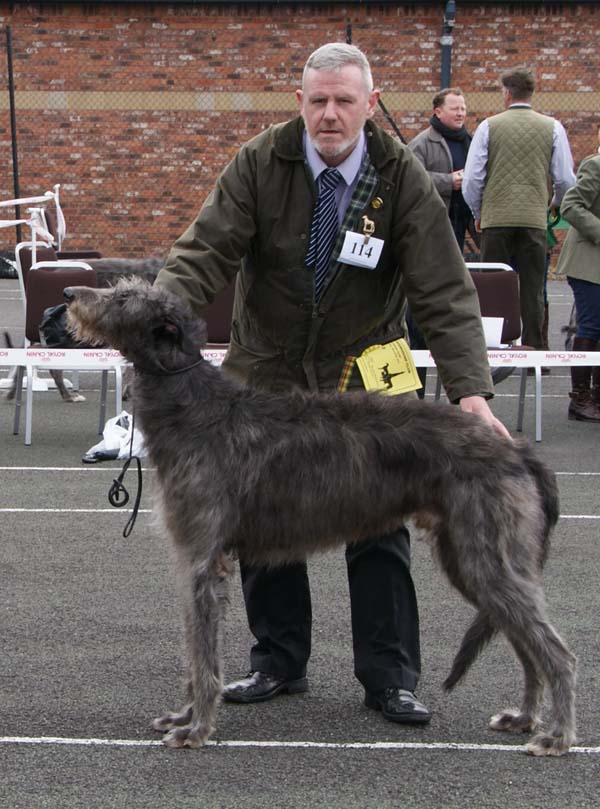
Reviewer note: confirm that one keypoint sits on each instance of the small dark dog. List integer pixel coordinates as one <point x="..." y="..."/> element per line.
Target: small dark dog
<point x="58" y="377"/>
<point x="274" y="477"/>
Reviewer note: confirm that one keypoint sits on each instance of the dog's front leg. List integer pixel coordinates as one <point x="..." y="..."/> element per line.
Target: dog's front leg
<point x="174" y="719"/>
<point x="203" y="615"/>
<point x="66" y="395"/>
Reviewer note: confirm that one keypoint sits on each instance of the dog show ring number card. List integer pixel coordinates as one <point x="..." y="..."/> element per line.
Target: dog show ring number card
<point x="389" y="368"/>
<point x="361" y="251"/>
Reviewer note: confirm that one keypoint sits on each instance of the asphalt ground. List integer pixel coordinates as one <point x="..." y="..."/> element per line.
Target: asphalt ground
<point x="90" y="642"/>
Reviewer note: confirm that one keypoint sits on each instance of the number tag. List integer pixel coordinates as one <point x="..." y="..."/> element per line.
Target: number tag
<point x="361" y="252"/>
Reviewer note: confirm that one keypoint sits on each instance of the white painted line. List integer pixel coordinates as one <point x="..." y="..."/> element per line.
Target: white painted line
<point x="115" y="510"/>
<point x="451" y="746"/>
<point x="99" y="467"/>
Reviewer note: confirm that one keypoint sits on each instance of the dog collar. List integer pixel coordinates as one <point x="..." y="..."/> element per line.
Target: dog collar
<point x="165" y="372"/>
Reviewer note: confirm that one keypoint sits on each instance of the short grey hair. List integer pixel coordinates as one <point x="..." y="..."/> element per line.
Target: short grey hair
<point x="336" y="55"/>
<point x="520" y="82"/>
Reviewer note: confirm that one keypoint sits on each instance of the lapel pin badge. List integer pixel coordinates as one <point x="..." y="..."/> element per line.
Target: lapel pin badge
<point x="368" y="228"/>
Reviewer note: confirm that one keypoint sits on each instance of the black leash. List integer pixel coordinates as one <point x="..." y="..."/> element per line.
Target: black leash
<point x="118" y="496"/>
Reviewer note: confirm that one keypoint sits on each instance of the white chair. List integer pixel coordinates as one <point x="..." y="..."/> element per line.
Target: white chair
<point x="497" y="286"/>
<point x="45" y="284"/>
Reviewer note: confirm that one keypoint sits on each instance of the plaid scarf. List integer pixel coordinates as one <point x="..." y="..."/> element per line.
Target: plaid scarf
<point x="365" y="186"/>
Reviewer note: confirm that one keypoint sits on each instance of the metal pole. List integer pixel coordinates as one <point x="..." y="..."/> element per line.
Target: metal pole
<point x="382" y="106"/>
<point x="13" y="126"/>
<point x="446" y="42"/>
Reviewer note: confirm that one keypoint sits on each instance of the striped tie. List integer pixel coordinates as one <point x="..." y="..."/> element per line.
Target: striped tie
<point x="324" y="228"/>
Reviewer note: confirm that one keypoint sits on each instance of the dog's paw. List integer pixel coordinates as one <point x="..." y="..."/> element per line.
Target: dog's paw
<point x="162" y="724"/>
<point x="513" y="721"/>
<point x="187" y="736"/>
<point x="74" y="397"/>
<point x="545" y="744"/>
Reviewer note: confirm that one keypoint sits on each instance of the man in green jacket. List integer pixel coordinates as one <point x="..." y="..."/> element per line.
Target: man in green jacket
<point x="579" y="260"/>
<point x="258" y="225"/>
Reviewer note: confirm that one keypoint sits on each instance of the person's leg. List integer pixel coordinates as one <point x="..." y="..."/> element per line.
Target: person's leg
<point x="585" y="402"/>
<point x="530" y="253"/>
<point x="385" y="626"/>
<point x="596" y="381"/>
<point x="497" y="245"/>
<point x="546" y="323"/>
<point x="279" y="614"/>
<point x="417" y="342"/>
<point x="459" y="219"/>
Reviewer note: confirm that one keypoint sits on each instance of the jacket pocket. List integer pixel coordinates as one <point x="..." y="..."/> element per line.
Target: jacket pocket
<point x="259" y="367"/>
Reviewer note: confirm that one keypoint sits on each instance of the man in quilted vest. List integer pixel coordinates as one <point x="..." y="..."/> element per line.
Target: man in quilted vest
<point x="514" y="159"/>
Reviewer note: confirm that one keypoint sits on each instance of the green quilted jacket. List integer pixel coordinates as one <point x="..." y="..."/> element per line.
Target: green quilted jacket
<point x="255" y="225"/>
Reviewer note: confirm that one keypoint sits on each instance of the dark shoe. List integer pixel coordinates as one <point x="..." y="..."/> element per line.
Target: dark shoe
<point x="259" y="686"/>
<point x="582" y="407"/>
<point x="500" y="373"/>
<point x="398" y="705"/>
<point x="100" y="455"/>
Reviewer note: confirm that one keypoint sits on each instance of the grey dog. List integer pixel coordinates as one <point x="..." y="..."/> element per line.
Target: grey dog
<point x="273" y="477"/>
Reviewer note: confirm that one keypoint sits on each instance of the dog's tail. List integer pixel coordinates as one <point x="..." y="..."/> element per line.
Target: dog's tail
<point x="476" y="638"/>
<point x="545" y="480"/>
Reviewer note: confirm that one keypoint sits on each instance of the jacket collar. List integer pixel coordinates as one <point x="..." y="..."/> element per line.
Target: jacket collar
<point x="288" y="142"/>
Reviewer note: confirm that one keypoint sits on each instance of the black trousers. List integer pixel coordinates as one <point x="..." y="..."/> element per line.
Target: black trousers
<point x="525" y="250"/>
<point x="385" y="619"/>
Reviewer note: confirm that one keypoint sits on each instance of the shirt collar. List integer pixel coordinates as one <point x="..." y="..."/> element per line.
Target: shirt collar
<point x="348" y="169"/>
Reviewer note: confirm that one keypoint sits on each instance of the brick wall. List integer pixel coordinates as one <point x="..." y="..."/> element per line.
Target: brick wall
<point x="135" y="107"/>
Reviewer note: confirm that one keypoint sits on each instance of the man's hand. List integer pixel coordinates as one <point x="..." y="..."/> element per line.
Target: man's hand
<point x="479" y="406"/>
<point x="477" y="223"/>
<point x="457" y="178"/>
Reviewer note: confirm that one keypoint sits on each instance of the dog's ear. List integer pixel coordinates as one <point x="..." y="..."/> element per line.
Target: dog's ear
<point x="179" y="335"/>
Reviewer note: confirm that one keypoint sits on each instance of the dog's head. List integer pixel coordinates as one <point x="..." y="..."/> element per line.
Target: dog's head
<point x="149" y="325"/>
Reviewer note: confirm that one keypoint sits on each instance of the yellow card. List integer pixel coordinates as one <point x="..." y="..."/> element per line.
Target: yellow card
<point x="389" y="368"/>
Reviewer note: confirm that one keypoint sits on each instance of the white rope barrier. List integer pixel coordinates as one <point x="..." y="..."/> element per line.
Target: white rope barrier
<point x="82" y="357"/>
<point x="64" y="358"/>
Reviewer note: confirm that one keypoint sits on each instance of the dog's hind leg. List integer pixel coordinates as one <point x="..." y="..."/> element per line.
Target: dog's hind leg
<point x="534" y="639"/>
<point x="527" y="717"/>
<point x="204" y="658"/>
<point x="558" y="665"/>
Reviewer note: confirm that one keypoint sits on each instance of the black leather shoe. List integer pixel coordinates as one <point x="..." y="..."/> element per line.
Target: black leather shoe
<point x="398" y="705"/>
<point x="259" y="686"/>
